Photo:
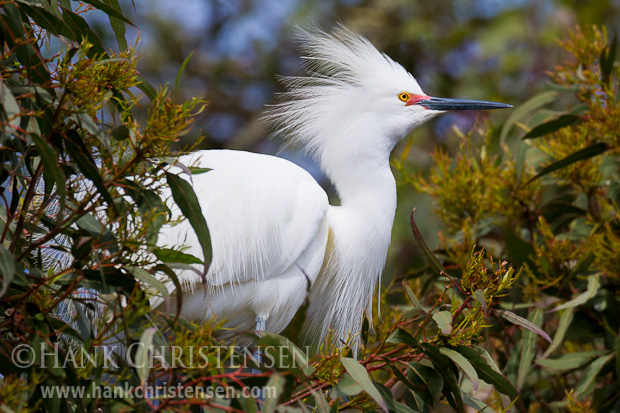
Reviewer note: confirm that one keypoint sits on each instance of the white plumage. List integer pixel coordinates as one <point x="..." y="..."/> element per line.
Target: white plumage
<point x="271" y="226"/>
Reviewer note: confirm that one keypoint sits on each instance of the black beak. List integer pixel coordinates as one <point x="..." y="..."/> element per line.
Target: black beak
<point x="460" y="104"/>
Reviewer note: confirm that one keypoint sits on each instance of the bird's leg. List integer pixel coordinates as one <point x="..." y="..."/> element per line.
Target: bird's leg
<point x="261" y="325"/>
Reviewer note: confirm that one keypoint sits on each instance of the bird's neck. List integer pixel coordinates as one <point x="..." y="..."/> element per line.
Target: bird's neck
<point x="360" y="232"/>
<point x="364" y="182"/>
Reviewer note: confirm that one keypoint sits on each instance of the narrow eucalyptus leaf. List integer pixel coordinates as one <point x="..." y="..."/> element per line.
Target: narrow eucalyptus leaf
<point x="276" y="381"/>
<point x="49" y="158"/>
<point x="592" y="289"/>
<point x="587" y="381"/>
<point x="433" y="262"/>
<point x="464" y="364"/>
<point x="412" y="297"/>
<point x="487" y="373"/>
<point x="186" y="199"/>
<point x="145" y="346"/>
<point x="528" y="347"/>
<point x="525" y="109"/>
<point x="150" y="281"/>
<point x="570" y="361"/>
<point x="81" y="156"/>
<point x="479" y="296"/>
<point x="169" y="255"/>
<point x="520" y="321"/>
<point x="585" y="153"/>
<point x="444" y="321"/>
<point x="109" y="10"/>
<point x="146" y="87"/>
<point x="552" y="126"/>
<point x="7" y="269"/>
<point x="361" y="377"/>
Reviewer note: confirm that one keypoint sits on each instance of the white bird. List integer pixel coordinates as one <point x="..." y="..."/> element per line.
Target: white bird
<point x="272" y="228"/>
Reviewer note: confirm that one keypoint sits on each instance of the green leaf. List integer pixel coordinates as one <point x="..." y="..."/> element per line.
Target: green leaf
<point x="11" y="108"/>
<point x="248" y="404"/>
<point x="50" y="22"/>
<point x="552" y="126"/>
<point x="146" y="87"/>
<point x="525" y="109"/>
<point x="583" y="264"/>
<point x="569" y="361"/>
<point x="449" y="372"/>
<point x="118" y="26"/>
<point x="49" y="158"/>
<point x="444" y="321"/>
<point x="476" y="404"/>
<point x="400" y="336"/>
<point x="347" y="386"/>
<point x="81" y="156"/>
<point x="585" y="153"/>
<point x="195" y="170"/>
<point x="416" y="402"/>
<point x="433" y="262"/>
<point x="149" y="205"/>
<point x="528" y="347"/>
<point x="320" y="403"/>
<point x="121" y="133"/>
<point x="490" y="375"/>
<point x="400" y="376"/>
<point x="361" y="377"/>
<point x="61" y="327"/>
<point x="428" y="381"/>
<point x="465" y="365"/>
<point x="96" y="229"/>
<point x="479" y="296"/>
<point x="7" y="269"/>
<point x="181" y="70"/>
<point x="520" y="321"/>
<point x="83" y="120"/>
<point x="592" y="289"/>
<point x="81" y="28"/>
<point x="142" y="360"/>
<point x="565" y="321"/>
<point x="588" y="379"/>
<point x="412" y="297"/>
<point x="519" y="251"/>
<point x="109" y="10"/>
<point x="170" y="255"/>
<point x="186" y="199"/>
<point x="149" y="280"/>
<point x="555" y="209"/>
<point x="106" y="280"/>
<point x="393" y="406"/>
<point x="26" y="51"/>
<point x="276" y="381"/>
<point x="607" y="59"/>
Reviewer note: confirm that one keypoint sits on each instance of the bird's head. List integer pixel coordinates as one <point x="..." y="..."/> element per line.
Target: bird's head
<point x="354" y="97"/>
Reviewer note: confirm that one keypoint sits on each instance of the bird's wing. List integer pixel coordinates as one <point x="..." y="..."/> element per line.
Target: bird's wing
<point x="262" y="213"/>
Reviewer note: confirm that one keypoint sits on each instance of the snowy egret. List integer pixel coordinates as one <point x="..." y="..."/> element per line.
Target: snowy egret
<point x="272" y="228"/>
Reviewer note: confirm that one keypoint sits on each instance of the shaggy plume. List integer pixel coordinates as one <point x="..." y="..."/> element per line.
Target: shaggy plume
<point x="340" y="67"/>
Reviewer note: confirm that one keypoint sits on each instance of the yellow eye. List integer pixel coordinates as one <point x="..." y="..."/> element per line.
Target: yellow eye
<point x="404" y="96"/>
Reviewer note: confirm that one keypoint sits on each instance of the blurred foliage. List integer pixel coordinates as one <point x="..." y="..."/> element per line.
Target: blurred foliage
<point x="551" y="209"/>
<point x="530" y="211"/>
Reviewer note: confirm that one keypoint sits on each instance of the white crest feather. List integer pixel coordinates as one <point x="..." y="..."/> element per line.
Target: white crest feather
<point x="341" y="69"/>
